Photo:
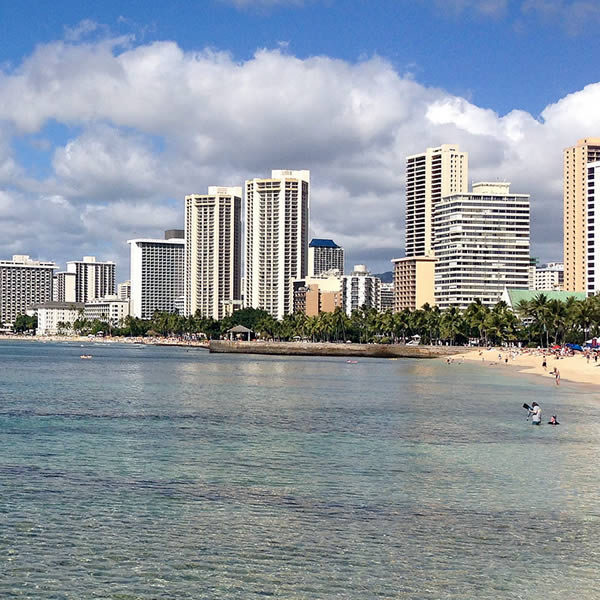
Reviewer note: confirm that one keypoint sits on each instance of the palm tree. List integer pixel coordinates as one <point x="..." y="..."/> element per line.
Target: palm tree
<point x="452" y="324"/>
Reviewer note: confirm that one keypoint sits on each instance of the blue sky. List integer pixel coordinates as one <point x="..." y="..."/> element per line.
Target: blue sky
<point x="109" y="111"/>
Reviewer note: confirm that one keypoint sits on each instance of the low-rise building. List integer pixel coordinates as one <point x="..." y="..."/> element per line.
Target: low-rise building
<point x="110" y="309"/>
<point x="550" y="276"/>
<point x="316" y="295"/>
<point x="56" y="318"/>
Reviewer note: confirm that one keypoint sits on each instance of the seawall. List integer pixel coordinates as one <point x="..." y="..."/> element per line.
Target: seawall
<point x="325" y="349"/>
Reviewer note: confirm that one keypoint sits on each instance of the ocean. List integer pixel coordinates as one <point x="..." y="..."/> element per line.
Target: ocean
<point x="160" y="472"/>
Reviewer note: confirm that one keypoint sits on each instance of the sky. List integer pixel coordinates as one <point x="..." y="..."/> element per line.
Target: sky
<point x="111" y="112"/>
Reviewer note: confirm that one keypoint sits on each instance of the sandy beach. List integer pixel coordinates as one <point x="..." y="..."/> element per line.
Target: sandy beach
<point x="576" y="369"/>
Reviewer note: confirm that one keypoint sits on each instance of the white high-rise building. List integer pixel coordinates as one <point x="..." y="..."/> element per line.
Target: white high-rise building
<point x="593" y="240"/>
<point x="324" y="256"/>
<point x="213" y="255"/>
<point x="481" y="245"/>
<point x="431" y="175"/>
<point x="157" y="274"/>
<point x="277" y="215"/>
<point x="359" y="289"/>
<point x="23" y="282"/>
<point x="93" y="279"/>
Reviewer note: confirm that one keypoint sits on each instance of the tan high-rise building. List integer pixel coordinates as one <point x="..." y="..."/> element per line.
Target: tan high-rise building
<point x="213" y="253"/>
<point x="277" y="212"/>
<point x="430" y="176"/>
<point x="575" y="213"/>
<point x="414" y="279"/>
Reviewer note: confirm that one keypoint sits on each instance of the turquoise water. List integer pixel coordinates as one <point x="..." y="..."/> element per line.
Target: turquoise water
<point x="152" y="473"/>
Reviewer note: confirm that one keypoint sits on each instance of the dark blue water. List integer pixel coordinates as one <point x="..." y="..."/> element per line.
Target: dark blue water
<point x="150" y="473"/>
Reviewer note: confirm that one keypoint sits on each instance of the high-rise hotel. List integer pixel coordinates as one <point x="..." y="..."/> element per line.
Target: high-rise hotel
<point x="277" y="213"/>
<point x="93" y="279"/>
<point x="578" y="216"/>
<point x="23" y="282"/>
<point x="430" y="176"/>
<point x="156" y="281"/>
<point x="213" y="256"/>
<point x="481" y="245"/>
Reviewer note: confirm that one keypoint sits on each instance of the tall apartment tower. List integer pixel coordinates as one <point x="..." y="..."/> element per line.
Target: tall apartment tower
<point x="213" y="254"/>
<point x="593" y="240"/>
<point x="92" y="279"/>
<point x="575" y="215"/>
<point x="481" y="245"/>
<point x="157" y="272"/>
<point x="23" y="283"/>
<point x="430" y="176"/>
<point x="277" y="213"/>
<point x="323" y="256"/>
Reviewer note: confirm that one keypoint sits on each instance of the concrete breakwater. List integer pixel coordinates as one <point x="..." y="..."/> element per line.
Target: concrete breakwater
<point x="327" y="349"/>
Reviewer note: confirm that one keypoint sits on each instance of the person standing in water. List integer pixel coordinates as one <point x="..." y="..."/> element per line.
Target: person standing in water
<point x="536" y="414"/>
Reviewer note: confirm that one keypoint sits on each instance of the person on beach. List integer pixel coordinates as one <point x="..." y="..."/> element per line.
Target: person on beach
<point x="556" y="376"/>
<point x="536" y="414"/>
<point x="544" y="363"/>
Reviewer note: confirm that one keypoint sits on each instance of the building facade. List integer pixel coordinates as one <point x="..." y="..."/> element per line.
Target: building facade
<point x="156" y="275"/>
<point x="276" y="252"/>
<point x="414" y="279"/>
<point x="111" y="310"/>
<point x="93" y="279"/>
<point x="360" y="289"/>
<point x="23" y="282"/>
<point x="56" y="318"/>
<point x="124" y="290"/>
<point x="323" y="256"/>
<point x="576" y="212"/>
<point x="315" y="295"/>
<point x="481" y="245"/>
<point x="213" y="255"/>
<point x="387" y="297"/>
<point x="65" y="286"/>
<point x="549" y="277"/>
<point x="593" y="240"/>
<point x="435" y="173"/>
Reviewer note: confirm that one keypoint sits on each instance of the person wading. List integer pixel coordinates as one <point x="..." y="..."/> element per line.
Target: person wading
<point x="536" y="414"/>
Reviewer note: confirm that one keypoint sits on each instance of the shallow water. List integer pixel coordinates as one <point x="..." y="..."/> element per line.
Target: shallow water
<point x="154" y="472"/>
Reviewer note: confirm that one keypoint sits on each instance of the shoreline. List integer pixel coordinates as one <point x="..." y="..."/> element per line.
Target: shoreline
<point x="573" y="369"/>
<point x="78" y="339"/>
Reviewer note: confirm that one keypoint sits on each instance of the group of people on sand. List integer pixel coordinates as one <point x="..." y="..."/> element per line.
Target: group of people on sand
<point x="535" y="412"/>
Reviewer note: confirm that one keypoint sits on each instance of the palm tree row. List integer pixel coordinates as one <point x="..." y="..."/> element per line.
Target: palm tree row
<point x="540" y="321"/>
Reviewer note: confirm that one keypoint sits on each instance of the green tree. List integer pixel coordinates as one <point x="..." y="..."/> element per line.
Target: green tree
<point x="25" y="323"/>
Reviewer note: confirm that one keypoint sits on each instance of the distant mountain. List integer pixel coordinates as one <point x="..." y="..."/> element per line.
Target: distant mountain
<point x="387" y="277"/>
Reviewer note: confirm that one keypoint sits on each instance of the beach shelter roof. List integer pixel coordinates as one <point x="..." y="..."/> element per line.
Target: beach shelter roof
<point x="239" y="329"/>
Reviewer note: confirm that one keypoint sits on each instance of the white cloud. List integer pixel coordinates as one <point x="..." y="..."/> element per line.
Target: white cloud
<point x="152" y="123"/>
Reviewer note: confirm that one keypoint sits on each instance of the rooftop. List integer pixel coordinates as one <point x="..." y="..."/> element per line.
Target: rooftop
<point x="320" y="243"/>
